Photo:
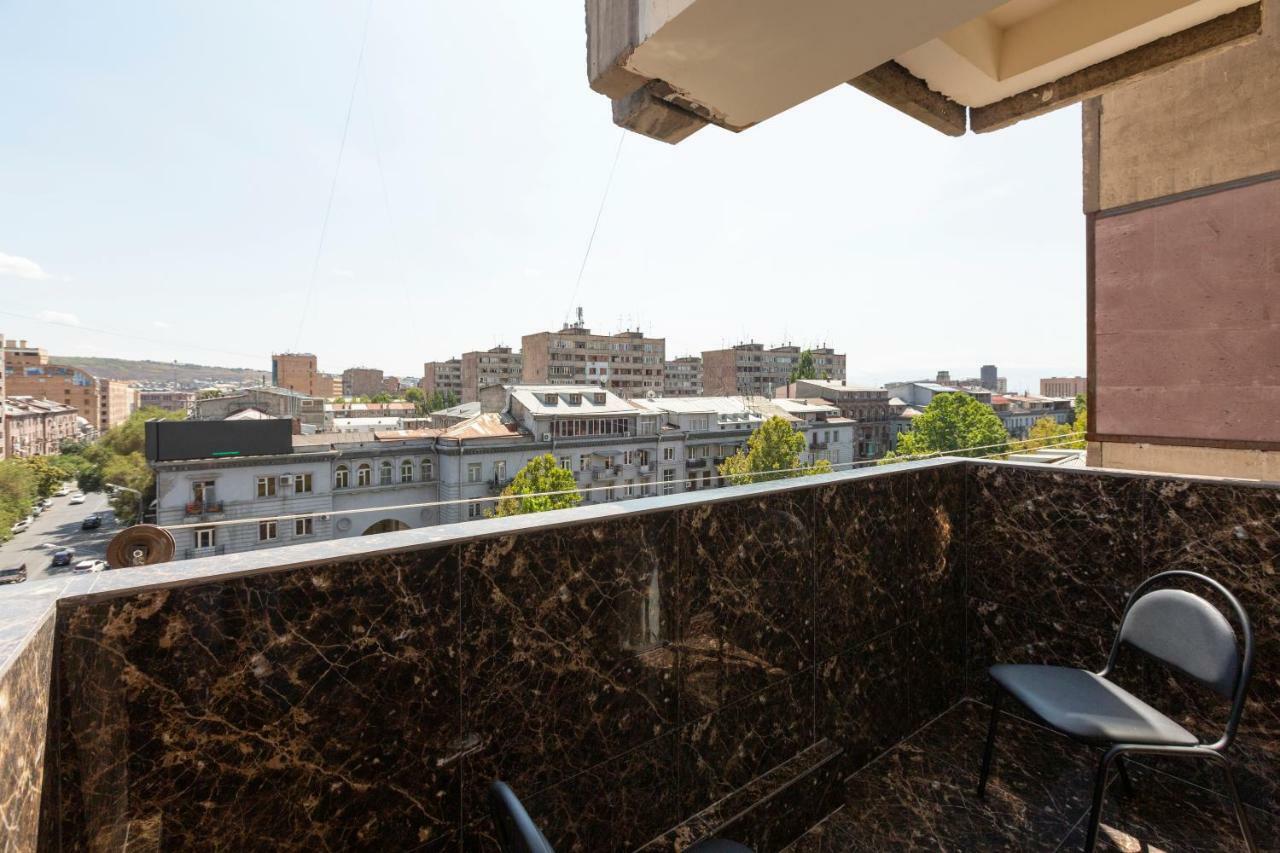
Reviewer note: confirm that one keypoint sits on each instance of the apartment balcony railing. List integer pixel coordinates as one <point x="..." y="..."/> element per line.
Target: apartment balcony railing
<point x="203" y="507"/>
<point x="210" y="551"/>
<point x="694" y="464"/>
<point x="818" y="445"/>
<point x="749" y="662"/>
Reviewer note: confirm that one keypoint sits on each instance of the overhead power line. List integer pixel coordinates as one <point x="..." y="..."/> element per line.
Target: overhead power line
<point x="622" y="135"/>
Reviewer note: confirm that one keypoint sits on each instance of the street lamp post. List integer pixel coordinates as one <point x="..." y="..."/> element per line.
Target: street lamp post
<point x="141" y="519"/>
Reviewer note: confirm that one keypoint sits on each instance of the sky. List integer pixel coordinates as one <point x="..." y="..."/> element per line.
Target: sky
<point x="166" y="169"/>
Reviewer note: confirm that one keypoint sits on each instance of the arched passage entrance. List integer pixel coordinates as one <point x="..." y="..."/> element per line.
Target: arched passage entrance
<point x="387" y="525"/>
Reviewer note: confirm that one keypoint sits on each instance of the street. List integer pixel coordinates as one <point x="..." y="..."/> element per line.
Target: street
<point x="60" y="525"/>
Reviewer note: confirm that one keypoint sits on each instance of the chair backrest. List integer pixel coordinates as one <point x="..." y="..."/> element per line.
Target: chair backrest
<point x="516" y="831"/>
<point x="1188" y="633"/>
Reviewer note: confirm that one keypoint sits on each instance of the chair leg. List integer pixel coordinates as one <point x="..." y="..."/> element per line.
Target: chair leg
<point x="991" y="744"/>
<point x="1241" y="817"/>
<point x="1099" y="791"/>
<point x="1124" y="775"/>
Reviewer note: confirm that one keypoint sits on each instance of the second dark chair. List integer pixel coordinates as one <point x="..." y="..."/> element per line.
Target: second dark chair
<point x="1177" y="628"/>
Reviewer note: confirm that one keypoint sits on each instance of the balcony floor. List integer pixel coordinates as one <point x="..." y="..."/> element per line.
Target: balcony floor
<point x="920" y="796"/>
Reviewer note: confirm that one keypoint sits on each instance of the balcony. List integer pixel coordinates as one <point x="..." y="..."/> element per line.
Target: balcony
<point x="694" y="464"/>
<point x="636" y="674"/>
<point x="209" y="551"/>
<point x="202" y="508"/>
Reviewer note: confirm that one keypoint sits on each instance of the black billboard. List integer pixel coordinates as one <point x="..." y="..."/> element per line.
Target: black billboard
<point x="170" y="441"/>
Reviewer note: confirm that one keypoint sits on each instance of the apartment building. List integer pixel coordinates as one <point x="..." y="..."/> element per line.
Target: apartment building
<point x="391" y="384"/>
<point x="361" y="382"/>
<point x="868" y="407"/>
<point x="751" y="368"/>
<point x="367" y="481"/>
<point x="682" y="377"/>
<point x="297" y="371"/>
<point x="103" y="403"/>
<point x="169" y="400"/>
<point x="33" y="427"/>
<point x="496" y="366"/>
<point x="1064" y="386"/>
<point x="1019" y="412"/>
<point x="628" y="363"/>
<point x="444" y="377"/>
<point x="273" y="402"/>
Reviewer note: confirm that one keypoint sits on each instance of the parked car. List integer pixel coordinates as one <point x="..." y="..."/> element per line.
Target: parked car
<point x="77" y="498"/>
<point x="91" y="522"/>
<point x="62" y="492"/>
<point x="89" y="566"/>
<point x="36" y="509"/>
<point x="63" y="556"/>
<point x="13" y="574"/>
<point x="21" y="524"/>
<point x="46" y="503"/>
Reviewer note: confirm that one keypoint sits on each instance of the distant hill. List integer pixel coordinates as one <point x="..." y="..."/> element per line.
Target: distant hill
<point x="159" y="371"/>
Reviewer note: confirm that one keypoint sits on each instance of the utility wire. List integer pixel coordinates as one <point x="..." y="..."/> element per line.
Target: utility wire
<point x="622" y="135"/>
<point x="333" y="185"/>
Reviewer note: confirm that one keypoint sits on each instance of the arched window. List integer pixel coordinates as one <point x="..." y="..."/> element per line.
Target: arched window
<point x="385" y="472"/>
<point x="426" y="469"/>
<point x="364" y="474"/>
<point x="342" y="477"/>
<point x="406" y="471"/>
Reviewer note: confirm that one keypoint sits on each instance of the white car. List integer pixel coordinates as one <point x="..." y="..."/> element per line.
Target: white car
<point x="62" y="493"/>
<point x="89" y="566"/>
<point x="77" y="498"/>
<point x="21" y="525"/>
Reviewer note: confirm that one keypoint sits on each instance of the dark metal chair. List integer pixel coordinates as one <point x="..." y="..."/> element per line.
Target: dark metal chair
<point x="1177" y="628"/>
<point x="517" y="832"/>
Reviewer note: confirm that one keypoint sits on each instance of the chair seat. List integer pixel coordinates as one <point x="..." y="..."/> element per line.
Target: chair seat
<point x="1088" y="707"/>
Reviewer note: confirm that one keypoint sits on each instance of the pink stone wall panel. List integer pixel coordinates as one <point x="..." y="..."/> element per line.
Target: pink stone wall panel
<point x="1187" y="318"/>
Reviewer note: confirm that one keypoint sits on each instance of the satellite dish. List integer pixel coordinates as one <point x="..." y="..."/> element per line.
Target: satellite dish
<point x="140" y="545"/>
<point x="651" y="394"/>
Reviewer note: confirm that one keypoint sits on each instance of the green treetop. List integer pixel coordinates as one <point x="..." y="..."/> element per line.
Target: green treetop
<point x="540" y="475"/>
<point x="773" y="453"/>
<point x="950" y="423"/>
<point x="804" y="369"/>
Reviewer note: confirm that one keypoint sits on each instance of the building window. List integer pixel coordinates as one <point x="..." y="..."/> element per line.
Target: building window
<point x="668" y="454"/>
<point x="406" y="471"/>
<point x="668" y="481"/>
<point x="341" y="477"/>
<point x="266" y="487"/>
<point x="575" y="399"/>
<point x="500" y="470"/>
<point x="385" y="473"/>
<point x="566" y="462"/>
<point x="474" y="511"/>
<point x="302" y="527"/>
<point x="582" y="462"/>
<point x="266" y="531"/>
<point x="473" y="472"/>
<point x="204" y="537"/>
<point x="426" y="469"/>
<point x="364" y="475"/>
<point x="549" y="399"/>
<point x="302" y="484"/>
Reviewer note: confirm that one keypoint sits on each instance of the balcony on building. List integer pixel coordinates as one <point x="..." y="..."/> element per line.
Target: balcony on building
<point x="798" y="665"/>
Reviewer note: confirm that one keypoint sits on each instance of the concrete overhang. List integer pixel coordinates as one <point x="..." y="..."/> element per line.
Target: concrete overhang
<point x="673" y="66"/>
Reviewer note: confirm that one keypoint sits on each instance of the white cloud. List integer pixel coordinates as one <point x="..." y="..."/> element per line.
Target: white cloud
<point x="12" y="265"/>
<point x="60" y="317"/>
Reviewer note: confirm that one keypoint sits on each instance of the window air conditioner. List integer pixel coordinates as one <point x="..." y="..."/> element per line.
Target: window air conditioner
<point x="546" y="436"/>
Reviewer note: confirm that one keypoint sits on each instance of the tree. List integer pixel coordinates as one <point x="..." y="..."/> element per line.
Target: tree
<point x="208" y="394"/>
<point x="46" y="475"/>
<point x="540" y="475"/>
<point x="804" y="368"/>
<point x="949" y="424"/>
<point x="1045" y="431"/>
<point x="415" y="395"/>
<point x="119" y="457"/>
<point x="17" y="493"/>
<point x="441" y="400"/>
<point x="1081" y="424"/>
<point x="772" y="453"/>
<point x="380" y="397"/>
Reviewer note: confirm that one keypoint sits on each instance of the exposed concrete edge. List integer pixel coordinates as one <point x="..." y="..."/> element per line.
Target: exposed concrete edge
<point x="899" y="88"/>
<point x="612" y="33"/>
<point x="1091" y="153"/>
<point x="1225" y="31"/>
<point x="646" y="113"/>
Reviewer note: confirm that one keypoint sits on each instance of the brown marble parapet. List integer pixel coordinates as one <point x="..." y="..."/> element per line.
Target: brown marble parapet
<point x="24" y="715"/>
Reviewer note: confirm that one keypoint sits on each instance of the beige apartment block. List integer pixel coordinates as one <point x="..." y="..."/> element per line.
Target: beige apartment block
<point x="361" y="382"/>
<point x="297" y="371"/>
<point x="629" y="363"/>
<point x="752" y="369"/>
<point x="480" y="369"/>
<point x="34" y="427"/>
<point x="29" y="373"/>
<point x="1063" y="386"/>
<point x="683" y="377"/>
<point x="444" y="377"/>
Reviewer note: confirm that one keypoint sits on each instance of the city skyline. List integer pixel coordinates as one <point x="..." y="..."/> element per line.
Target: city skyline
<point x="468" y="240"/>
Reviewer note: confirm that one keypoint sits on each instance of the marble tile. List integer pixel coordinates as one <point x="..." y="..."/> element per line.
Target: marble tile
<point x="862" y="584"/>
<point x="198" y="708"/>
<point x="863" y="700"/>
<point x="1165" y="813"/>
<point x="566" y="659"/>
<point x="936" y="661"/>
<point x="728" y="748"/>
<point x="1063" y="545"/>
<point x="935" y="540"/>
<point x="1001" y="634"/>
<point x="24" y="707"/>
<point x="1231" y="533"/>
<point x="785" y="815"/>
<point x="745" y="599"/>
